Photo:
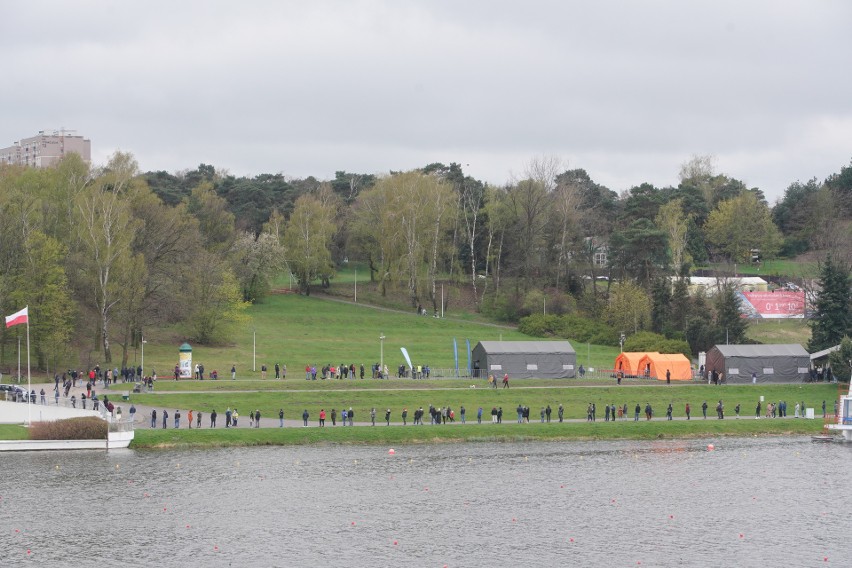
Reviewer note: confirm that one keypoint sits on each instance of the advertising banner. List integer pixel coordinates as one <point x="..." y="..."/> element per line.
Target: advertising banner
<point x="777" y="304"/>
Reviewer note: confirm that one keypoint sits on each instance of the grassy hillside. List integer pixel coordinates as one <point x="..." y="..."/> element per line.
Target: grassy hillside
<point x="297" y="330"/>
<point x="779" y="331"/>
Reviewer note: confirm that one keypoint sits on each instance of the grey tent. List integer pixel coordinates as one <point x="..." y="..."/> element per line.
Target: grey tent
<point x="781" y="363"/>
<point x="525" y="359"/>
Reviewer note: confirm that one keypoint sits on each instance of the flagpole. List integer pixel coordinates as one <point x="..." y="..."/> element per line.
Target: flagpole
<point x="29" y="387"/>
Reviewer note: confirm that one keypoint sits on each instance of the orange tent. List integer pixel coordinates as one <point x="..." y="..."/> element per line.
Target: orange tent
<point x="659" y="363"/>
<point x="628" y="362"/>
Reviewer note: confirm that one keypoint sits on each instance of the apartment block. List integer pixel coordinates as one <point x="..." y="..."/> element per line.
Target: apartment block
<point x="44" y="150"/>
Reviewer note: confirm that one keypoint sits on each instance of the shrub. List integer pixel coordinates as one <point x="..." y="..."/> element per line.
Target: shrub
<point x="572" y="327"/>
<point x="89" y="428"/>
<point x="649" y="341"/>
<point x="540" y="325"/>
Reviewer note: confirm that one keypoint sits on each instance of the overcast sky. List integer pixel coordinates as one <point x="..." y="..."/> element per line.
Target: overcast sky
<point x="626" y="90"/>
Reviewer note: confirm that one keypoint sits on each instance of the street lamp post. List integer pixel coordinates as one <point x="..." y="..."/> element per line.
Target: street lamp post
<point x="254" y="349"/>
<point x="381" y="353"/>
<point x="143" y="354"/>
<point x="621" y="341"/>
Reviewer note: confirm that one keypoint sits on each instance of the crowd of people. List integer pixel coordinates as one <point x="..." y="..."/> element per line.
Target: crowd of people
<point x="448" y="415"/>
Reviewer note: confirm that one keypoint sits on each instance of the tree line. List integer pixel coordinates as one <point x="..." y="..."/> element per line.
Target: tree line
<point x="103" y="253"/>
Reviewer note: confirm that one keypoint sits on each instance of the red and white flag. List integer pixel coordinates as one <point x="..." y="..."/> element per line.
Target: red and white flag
<point x="18" y="317"/>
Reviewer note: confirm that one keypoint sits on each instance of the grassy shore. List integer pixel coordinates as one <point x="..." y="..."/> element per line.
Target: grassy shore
<point x="395" y="436"/>
<point x="13" y="432"/>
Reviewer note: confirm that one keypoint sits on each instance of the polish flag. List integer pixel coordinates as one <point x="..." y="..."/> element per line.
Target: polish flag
<point x="18" y="317"/>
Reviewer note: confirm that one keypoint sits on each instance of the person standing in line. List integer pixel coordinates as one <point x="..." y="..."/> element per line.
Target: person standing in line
<point x="198" y="420"/>
<point x="737" y="410"/>
<point x="387" y="416"/>
<point x="547" y="412"/>
<point x="234" y="417"/>
<point x="277" y="371"/>
<point x="688" y="410"/>
<point x="669" y="412"/>
<point x="281" y="417"/>
<point x="823" y="409"/>
<point x="499" y="415"/>
<point x="322" y="417"/>
<point x="305" y="417"/>
<point x="257" y="418"/>
<point x="177" y="419"/>
<point x="560" y="412"/>
<point x="649" y="412"/>
<point x="479" y="415"/>
<point x="757" y="410"/>
<point x="668" y="377"/>
<point x="720" y="410"/>
<point x="333" y="417"/>
<point x="606" y="413"/>
<point x="212" y="418"/>
<point x="165" y="417"/>
<point x="189" y="419"/>
<point x="704" y="409"/>
<point x="351" y="416"/>
<point x="154" y="418"/>
<point x="251" y="419"/>
<point x="262" y="374"/>
<point x="233" y="372"/>
<point x="373" y="416"/>
<point x="405" y="416"/>
<point x="506" y="381"/>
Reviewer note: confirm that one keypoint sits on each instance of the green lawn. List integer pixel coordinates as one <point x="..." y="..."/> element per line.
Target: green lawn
<point x="456" y="393"/>
<point x="13" y="432"/>
<point x="780" y="267"/>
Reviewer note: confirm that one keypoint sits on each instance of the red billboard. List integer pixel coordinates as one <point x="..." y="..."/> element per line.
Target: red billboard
<point x="777" y="304"/>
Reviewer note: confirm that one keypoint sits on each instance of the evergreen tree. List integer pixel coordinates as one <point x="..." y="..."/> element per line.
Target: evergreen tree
<point x="730" y="325"/>
<point x="832" y="318"/>
<point x="660" y="305"/>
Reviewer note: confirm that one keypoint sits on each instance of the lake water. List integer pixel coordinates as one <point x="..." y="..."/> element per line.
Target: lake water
<point x="751" y="502"/>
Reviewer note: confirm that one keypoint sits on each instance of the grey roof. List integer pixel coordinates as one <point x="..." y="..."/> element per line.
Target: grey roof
<point x="775" y="350"/>
<point x="494" y="347"/>
<point x="824" y="352"/>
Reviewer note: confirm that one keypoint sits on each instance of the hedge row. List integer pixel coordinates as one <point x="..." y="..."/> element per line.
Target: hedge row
<point x="89" y="428"/>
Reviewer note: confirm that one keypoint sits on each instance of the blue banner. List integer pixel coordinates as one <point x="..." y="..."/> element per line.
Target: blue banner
<point x="456" y="354"/>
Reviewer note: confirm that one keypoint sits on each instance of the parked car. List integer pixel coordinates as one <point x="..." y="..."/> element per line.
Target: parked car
<point x="13" y="392"/>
